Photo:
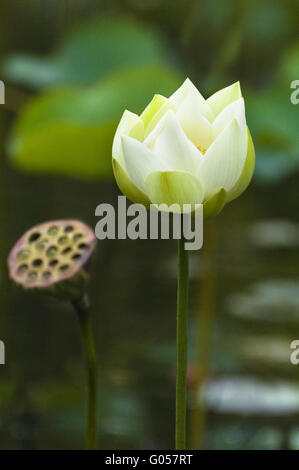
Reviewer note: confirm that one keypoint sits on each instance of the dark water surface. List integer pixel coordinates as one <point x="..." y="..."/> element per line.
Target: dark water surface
<point x="244" y="307"/>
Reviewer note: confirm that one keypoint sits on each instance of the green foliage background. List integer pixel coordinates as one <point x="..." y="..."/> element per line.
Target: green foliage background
<point x="101" y="66"/>
<point x="70" y="68"/>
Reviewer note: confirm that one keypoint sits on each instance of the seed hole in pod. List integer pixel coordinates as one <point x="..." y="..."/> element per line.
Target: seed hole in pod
<point x="37" y="262"/>
<point x="40" y="246"/>
<point x="64" y="267"/>
<point x="69" y="229"/>
<point x="77" y="237"/>
<point x="34" y="236"/>
<point x="76" y="256"/>
<point x="62" y="240"/>
<point x="82" y="246"/>
<point x="22" y="268"/>
<point x="46" y="275"/>
<point x="32" y="275"/>
<point x="52" y="250"/>
<point x="53" y="262"/>
<point x="22" y="255"/>
<point x="66" y="250"/>
<point x="53" y="230"/>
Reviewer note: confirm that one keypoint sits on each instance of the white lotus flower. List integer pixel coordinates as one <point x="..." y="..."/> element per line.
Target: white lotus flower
<point x="185" y="150"/>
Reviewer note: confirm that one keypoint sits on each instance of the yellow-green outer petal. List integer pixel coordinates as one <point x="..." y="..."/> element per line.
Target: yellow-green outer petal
<point x="222" y="98"/>
<point x="173" y="187"/>
<point x="154" y="106"/>
<point x="246" y="173"/>
<point x="127" y="187"/>
<point x="215" y="203"/>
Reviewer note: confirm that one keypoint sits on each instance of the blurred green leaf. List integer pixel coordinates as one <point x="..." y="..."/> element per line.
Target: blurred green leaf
<point x="70" y="131"/>
<point x="266" y="26"/>
<point x="271" y="166"/>
<point x="274" y="123"/>
<point x="274" y="119"/>
<point x="289" y="68"/>
<point x="89" y="53"/>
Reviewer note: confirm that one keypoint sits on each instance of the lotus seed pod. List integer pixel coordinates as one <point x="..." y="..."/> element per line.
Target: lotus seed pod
<point x="52" y="257"/>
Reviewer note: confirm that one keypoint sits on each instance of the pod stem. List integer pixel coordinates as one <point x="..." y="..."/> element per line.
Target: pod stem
<point x="81" y="307"/>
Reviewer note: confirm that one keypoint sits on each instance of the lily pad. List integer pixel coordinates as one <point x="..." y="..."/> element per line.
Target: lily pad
<point x="250" y="396"/>
<point x="274" y="301"/>
<point x="89" y="53"/>
<point x="272" y="350"/>
<point x="70" y="130"/>
<point x="275" y="233"/>
<point x="273" y="122"/>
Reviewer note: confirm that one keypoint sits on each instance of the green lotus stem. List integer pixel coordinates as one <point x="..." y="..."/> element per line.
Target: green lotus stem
<point x="82" y="308"/>
<point x="182" y="311"/>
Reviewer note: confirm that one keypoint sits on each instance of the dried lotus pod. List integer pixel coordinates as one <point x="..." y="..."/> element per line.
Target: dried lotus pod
<point x="52" y="257"/>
